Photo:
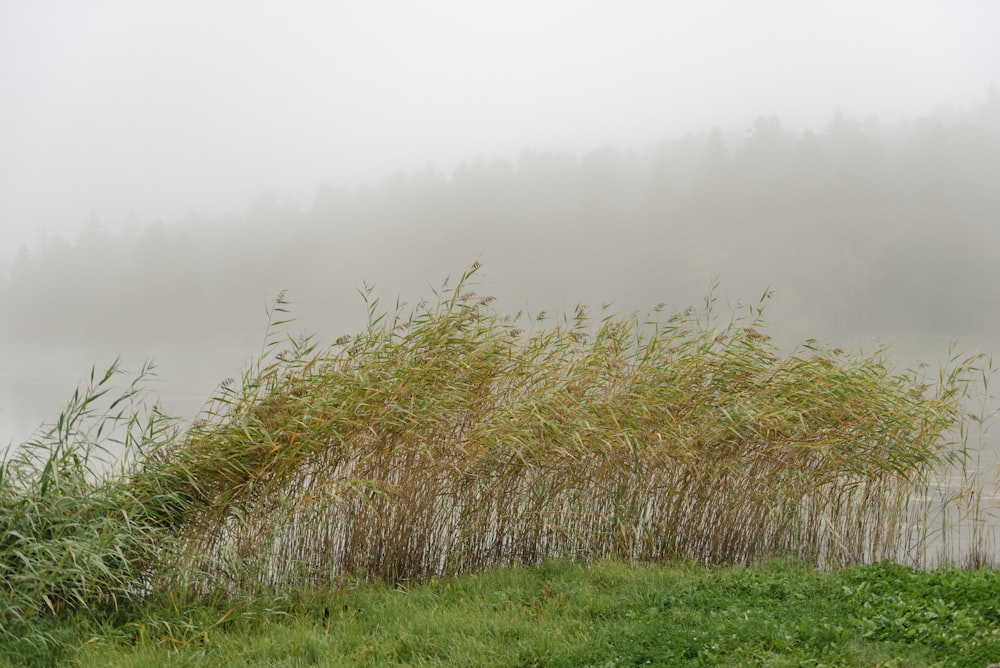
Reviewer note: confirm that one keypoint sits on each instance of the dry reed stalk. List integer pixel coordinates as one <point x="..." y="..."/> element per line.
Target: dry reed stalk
<point x="442" y="442"/>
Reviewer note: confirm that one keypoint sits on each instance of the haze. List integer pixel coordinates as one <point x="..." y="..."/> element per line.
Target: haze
<point x="160" y="109"/>
<point x="167" y="168"/>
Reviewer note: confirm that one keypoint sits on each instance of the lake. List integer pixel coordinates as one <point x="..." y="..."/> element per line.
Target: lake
<point x="35" y="383"/>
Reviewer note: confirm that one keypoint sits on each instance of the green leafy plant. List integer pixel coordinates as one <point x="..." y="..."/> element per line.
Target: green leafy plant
<point x="72" y="534"/>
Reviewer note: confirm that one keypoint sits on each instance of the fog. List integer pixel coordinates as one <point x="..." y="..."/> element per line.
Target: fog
<point x="122" y="108"/>
<point x="166" y="170"/>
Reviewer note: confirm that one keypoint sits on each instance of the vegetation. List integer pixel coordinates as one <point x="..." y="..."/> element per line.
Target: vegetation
<point x="73" y="534"/>
<point x="562" y="614"/>
<point x="448" y="439"/>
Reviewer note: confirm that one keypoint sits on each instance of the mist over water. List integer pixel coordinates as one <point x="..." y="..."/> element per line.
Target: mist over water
<point x="168" y="172"/>
<point x="859" y="234"/>
<point x="36" y="384"/>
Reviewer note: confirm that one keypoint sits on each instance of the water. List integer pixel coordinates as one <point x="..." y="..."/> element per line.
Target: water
<point x="35" y="383"/>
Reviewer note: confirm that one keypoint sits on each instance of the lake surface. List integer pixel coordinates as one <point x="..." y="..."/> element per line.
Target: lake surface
<point x="35" y="384"/>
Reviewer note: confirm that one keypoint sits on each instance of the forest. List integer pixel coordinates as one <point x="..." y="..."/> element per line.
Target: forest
<point x="864" y="226"/>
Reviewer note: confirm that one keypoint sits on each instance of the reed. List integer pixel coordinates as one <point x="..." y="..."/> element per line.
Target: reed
<point x="448" y="438"/>
<point x="73" y="535"/>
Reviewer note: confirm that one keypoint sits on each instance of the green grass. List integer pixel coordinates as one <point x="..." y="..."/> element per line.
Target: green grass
<point x="564" y="614"/>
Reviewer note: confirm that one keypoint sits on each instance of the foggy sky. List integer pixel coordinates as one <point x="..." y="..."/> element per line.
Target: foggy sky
<point x="159" y="109"/>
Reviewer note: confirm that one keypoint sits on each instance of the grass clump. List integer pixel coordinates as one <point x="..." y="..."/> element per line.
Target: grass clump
<point x="73" y="536"/>
<point x="450" y="439"/>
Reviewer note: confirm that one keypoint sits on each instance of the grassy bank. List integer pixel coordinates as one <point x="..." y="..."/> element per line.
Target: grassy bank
<point x="448" y="439"/>
<point x="562" y="614"/>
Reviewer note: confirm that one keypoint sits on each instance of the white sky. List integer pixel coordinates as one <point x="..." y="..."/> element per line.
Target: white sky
<point x="163" y="108"/>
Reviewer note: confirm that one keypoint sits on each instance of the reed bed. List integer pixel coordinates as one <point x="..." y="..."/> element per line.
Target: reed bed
<point x="73" y="534"/>
<point x="449" y="438"/>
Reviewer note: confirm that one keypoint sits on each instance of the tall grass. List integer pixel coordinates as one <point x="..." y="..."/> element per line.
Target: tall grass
<point x="961" y="505"/>
<point x="72" y="533"/>
<point x="449" y="438"/>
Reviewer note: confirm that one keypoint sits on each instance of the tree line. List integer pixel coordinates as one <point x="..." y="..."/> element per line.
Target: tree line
<point x="858" y="226"/>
